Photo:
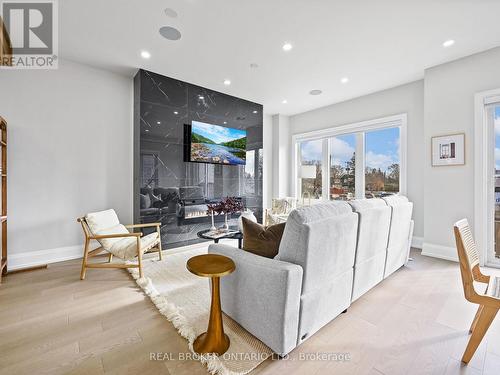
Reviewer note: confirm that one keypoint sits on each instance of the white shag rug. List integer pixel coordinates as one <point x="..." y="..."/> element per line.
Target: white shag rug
<point x="184" y="299"/>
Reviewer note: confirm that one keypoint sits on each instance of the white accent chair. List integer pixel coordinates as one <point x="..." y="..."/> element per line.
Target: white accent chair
<point x="280" y="209"/>
<point x="116" y="240"/>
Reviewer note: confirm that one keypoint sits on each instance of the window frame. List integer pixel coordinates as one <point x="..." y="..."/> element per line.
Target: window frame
<point x="359" y="129"/>
<point x="484" y="192"/>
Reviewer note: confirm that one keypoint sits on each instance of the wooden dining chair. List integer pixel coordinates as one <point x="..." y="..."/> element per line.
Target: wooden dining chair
<point x="116" y="239"/>
<point x="489" y="301"/>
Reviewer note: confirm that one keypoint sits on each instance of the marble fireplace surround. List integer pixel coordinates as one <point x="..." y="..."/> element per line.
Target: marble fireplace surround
<point x="174" y="192"/>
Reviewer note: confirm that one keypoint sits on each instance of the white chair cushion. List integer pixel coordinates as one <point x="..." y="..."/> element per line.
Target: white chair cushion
<point x="105" y="222"/>
<point x="273" y="219"/>
<point x="126" y="248"/>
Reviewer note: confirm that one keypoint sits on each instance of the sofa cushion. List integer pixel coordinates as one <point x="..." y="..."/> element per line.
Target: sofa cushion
<point x="261" y="240"/>
<point x="399" y="242"/>
<point x="373" y="233"/>
<point x="322" y="240"/>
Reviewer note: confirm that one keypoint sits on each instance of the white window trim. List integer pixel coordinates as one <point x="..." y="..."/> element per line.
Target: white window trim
<point x="484" y="192"/>
<point x="399" y="120"/>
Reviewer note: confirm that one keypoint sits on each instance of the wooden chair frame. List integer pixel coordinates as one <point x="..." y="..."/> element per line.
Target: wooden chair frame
<point x="87" y="253"/>
<point x="470" y="272"/>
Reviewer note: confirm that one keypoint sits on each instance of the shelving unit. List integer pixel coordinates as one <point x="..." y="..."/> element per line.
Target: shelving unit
<point x="3" y="180"/>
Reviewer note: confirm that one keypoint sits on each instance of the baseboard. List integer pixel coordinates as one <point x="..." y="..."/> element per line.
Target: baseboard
<point x="417" y="242"/>
<point x="439" y="251"/>
<point x="37" y="258"/>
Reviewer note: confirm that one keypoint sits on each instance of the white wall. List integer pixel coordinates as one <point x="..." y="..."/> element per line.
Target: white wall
<point x="267" y="167"/>
<point x="449" y="108"/>
<point x="70" y="152"/>
<point x="281" y="156"/>
<point x="408" y="99"/>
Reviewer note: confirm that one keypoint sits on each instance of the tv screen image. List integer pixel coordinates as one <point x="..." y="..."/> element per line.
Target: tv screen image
<point x="217" y="144"/>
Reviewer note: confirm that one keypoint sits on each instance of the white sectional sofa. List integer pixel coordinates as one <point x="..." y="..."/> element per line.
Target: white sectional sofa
<point x="330" y="254"/>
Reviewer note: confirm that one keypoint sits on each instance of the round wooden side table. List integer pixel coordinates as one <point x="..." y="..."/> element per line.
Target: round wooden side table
<point x="214" y="266"/>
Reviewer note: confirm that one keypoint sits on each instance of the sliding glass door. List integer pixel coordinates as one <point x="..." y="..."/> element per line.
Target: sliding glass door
<point x="493" y="123"/>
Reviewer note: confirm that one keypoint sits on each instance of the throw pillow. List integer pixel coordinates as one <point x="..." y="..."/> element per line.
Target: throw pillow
<point x="261" y="240"/>
<point x="145" y="201"/>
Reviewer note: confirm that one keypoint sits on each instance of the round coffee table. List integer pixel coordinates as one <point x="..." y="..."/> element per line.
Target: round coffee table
<point x="214" y="266"/>
<point x="235" y="236"/>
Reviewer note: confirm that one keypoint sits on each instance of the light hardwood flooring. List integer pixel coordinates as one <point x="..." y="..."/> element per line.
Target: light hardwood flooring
<point x="415" y="322"/>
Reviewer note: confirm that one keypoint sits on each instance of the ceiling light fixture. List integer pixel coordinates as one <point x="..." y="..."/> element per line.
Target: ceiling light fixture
<point x="147" y="130"/>
<point x="227" y="82"/>
<point x="344" y="80"/>
<point x="255" y="111"/>
<point x="284" y="101"/>
<point x="176" y="113"/>
<point x="448" y="43"/>
<point x="170" y="33"/>
<point x="225" y="122"/>
<point x="315" y="92"/>
<point x="201" y="97"/>
<point x="287" y="46"/>
<point x="145" y="54"/>
<point x="158" y="122"/>
<point x="169" y="12"/>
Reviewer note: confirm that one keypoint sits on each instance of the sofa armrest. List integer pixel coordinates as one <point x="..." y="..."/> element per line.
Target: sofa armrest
<point x="263" y="296"/>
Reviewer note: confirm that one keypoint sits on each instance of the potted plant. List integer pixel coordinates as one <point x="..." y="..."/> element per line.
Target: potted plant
<point x="228" y="205"/>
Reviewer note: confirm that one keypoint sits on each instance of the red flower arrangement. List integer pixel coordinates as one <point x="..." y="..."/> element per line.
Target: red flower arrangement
<point x="228" y="205"/>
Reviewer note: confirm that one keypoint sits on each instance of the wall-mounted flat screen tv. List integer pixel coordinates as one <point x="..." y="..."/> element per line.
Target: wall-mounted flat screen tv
<point x="216" y="144"/>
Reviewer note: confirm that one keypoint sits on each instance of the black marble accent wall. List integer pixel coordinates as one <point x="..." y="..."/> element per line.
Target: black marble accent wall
<point x="174" y="192"/>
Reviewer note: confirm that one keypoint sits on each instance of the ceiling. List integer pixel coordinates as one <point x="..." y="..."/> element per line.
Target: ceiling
<point x="377" y="44"/>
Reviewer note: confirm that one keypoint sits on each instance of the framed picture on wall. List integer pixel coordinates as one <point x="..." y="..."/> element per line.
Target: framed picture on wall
<point x="448" y="150"/>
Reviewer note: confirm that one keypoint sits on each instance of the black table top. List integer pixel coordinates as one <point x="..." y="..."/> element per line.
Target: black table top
<point x="236" y="236"/>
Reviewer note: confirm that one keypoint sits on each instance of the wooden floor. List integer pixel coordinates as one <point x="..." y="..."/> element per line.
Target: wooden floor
<point x="415" y="322"/>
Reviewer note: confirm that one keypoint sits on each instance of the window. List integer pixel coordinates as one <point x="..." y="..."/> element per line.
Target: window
<point x="352" y="161"/>
<point x="382" y="162"/>
<point x="310" y="169"/>
<point x="342" y="167"/>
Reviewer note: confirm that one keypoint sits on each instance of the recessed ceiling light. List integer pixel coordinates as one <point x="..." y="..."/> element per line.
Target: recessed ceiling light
<point x="448" y="43"/>
<point x="169" y="12"/>
<point x="201" y="97"/>
<point x="315" y="92"/>
<point x="145" y="54"/>
<point x="170" y="33"/>
<point x="287" y="46"/>
<point x="176" y="113"/>
<point x="284" y="101"/>
<point x="255" y="111"/>
<point x="158" y="122"/>
<point x="225" y="122"/>
<point x="227" y="82"/>
<point x="344" y="80"/>
<point x="147" y="130"/>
